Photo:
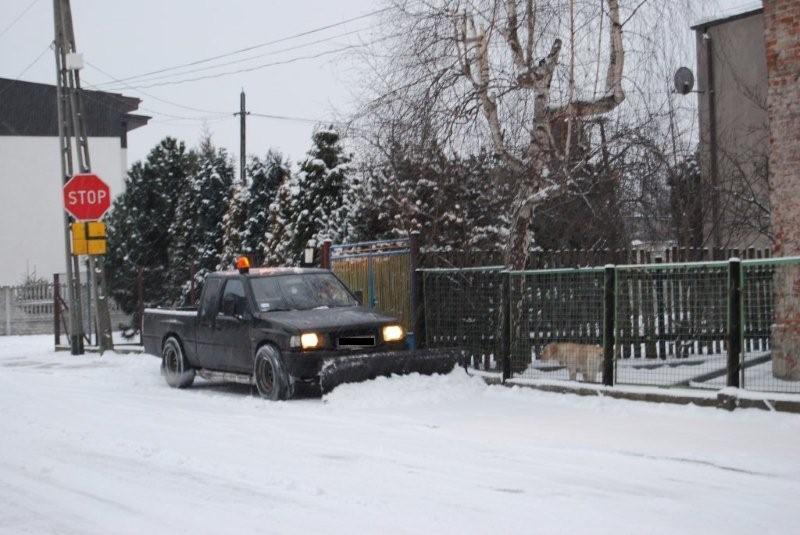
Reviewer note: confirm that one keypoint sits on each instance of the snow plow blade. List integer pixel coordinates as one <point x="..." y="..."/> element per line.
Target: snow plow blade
<point x="357" y="368"/>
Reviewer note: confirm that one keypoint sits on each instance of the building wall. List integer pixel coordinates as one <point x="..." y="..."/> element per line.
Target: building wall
<point x="782" y="37"/>
<point x="740" y="93"/>
<point x="31" y="206"/>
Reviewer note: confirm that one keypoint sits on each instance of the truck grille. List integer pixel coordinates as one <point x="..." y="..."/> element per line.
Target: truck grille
<point x="356" y="341"/>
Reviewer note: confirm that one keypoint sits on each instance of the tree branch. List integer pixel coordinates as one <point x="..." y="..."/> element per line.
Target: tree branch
<point x="614" y="94"/>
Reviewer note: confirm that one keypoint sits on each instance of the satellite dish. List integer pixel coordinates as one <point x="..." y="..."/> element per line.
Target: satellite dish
<point x="684" y="80"/>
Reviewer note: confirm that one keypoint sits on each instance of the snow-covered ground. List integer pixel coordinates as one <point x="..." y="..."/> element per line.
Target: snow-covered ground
<point x="102" y="445"/>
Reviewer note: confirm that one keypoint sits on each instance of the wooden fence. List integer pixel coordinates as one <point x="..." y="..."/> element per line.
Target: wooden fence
<point x="567" y="258"/>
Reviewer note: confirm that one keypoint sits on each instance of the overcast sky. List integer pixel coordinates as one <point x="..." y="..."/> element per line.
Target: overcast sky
<point x="130" y="38"/>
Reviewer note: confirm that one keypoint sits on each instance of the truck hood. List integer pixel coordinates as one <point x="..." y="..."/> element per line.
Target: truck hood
<point x="327" y="319"/>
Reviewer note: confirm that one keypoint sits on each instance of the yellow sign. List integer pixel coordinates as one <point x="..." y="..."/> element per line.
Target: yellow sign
<point x="89" y="237"/>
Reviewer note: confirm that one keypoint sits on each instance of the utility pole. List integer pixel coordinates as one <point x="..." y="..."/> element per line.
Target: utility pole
<point x="71" y="124"/>
<point x="242" y="113"/>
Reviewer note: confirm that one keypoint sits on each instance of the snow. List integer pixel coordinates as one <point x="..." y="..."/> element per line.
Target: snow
<point x="100" y="445"/>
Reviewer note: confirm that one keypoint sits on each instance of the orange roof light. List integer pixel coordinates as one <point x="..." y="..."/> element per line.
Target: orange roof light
<point x="243" y="265"/>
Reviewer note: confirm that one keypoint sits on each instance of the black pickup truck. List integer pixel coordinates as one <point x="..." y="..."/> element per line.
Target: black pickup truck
<point x="277" y="328"/>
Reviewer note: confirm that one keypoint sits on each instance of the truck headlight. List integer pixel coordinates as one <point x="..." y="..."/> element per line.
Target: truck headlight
<point x="306" y="341"/>
<point x="392" y="333"/>
<point x="309" y="340"/>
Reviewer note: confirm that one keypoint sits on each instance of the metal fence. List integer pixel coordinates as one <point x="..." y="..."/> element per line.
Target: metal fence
<point x="30" y="309"/>
<point x="463" y="308"/>
<point x="671" y="323"/>
<point x="550" y="309"/>
<point x="771" y="333"/>
<point x="702" y="325"/>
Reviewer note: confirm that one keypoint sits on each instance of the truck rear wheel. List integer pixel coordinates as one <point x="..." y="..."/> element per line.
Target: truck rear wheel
<point x="270" y="375"/>
<point x="176" y="370"/>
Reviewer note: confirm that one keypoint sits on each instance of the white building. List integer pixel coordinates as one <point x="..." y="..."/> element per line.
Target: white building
<point x="31" y="205"/>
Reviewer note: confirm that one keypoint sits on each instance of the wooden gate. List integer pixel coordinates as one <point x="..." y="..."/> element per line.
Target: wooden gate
<point x="379" y="272"/>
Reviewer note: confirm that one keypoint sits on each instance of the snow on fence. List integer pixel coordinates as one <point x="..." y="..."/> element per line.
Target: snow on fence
<point x="671" y="324"/>
<point x="29" y="309"/>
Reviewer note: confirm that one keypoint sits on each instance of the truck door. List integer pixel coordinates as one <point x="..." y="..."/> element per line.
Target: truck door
<point x="206" y="315"/>
<point x="232" y="331"/>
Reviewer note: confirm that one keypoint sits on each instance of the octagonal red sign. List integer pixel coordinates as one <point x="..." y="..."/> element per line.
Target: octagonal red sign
<point x="86" y="197"/>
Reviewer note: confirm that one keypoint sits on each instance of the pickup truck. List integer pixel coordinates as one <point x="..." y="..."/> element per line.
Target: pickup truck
<point x="277" y="328"/>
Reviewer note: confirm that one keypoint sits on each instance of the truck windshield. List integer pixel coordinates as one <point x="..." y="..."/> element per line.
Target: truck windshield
<point x="300" y="292"/>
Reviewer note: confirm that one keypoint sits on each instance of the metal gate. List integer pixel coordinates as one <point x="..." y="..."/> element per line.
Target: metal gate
<point x="379" y="272"/>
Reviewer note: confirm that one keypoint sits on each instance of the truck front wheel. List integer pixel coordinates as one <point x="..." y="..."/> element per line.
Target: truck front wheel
<point x="271" y="378"/>
<point x="176" y="370"/>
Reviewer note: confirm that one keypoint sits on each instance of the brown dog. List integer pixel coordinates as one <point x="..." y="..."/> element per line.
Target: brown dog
<point x="584" y="358"/>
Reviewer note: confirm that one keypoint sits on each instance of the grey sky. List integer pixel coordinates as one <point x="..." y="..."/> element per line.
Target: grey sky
<point x="129" y="38"/>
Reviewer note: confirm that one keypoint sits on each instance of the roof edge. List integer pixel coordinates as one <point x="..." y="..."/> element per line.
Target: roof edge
<point x="729" y="18"/>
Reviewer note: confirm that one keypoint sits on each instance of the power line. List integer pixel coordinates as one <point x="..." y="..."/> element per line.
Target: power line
<point x="165" y="101"/>
<point x="119" y="99"/>
<point x="243" y="60"/>
<point x="256" y="46"/>
<point x="262" y="66"/>
<point x="16" y="19"/>
<point x="295" y="119"/>
<point x="31" y="64"/>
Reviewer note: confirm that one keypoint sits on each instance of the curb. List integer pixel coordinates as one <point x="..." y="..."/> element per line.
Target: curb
<point x="720" y="400"/>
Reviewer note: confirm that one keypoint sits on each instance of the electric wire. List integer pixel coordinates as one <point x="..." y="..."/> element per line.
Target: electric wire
<point x="18" y="17"/>
<point x="243" y="60"/>
<point x="26" y="69"/>
<point x="256" y="46"/>
<point x="259" y="67"/>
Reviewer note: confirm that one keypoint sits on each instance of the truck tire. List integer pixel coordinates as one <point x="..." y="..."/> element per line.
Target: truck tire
<point x="174" y="366"/>
<point x="270" y="375"/>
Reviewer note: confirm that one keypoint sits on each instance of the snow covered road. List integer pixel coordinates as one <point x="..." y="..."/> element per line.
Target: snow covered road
<point x="101" y="445"/>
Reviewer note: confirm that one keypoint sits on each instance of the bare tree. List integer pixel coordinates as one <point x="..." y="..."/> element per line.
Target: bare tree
<point x="500" y="68"/>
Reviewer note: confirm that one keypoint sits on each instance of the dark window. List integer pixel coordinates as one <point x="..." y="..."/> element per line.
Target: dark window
<point x="300" y="292"/>
<point x="268" y="295"/>
<point x="208" y="306"/>
<point x="233" y="299"/>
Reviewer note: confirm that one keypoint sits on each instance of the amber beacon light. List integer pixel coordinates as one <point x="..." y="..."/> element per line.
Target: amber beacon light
<point x="243" y="265"/>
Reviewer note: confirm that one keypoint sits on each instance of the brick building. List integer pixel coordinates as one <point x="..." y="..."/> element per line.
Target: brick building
<point x="782" y="40"/>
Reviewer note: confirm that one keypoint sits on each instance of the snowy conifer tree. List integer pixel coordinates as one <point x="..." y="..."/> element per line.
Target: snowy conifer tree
<point x="138" y="226"/>
<point x="267" y="175"/>
<point x="232" y="224"/>
<point x="311" y="205"/>
<point x="198" y="229"/>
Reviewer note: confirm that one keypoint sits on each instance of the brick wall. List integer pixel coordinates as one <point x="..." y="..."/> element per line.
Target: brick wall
<point x="782" y="40"/>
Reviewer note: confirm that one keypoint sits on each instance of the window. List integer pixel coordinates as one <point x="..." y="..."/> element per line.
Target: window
<point x="300" y="292"/>
<point x="233" y="299"/>
<point x="208" y="306"/>
<point x="268" y="295"/>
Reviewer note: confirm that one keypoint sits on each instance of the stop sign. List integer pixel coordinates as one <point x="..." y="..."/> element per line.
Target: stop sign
<point x="86" y="197"/>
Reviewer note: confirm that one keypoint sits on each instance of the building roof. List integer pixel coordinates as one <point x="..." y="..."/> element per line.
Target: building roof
<point x="30" y="109"/>
<point x="730" y="17"/>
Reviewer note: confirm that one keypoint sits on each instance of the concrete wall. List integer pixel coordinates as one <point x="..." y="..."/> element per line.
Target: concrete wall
<point x="782" y="36"/>
<point x="739" y="65"/>
<point x="31" y="206"/>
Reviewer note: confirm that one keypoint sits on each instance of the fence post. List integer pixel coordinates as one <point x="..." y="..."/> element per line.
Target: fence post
<point x="506" y="328"/>
<point x="325" y="260"/>
<point x="140" y="298"/>
<point x="7" y="292"/>
<point x="734" y="321"/>
<point x="57" y="308"/>
<point x="608" y="324"/>
<point x="417" y="295"/>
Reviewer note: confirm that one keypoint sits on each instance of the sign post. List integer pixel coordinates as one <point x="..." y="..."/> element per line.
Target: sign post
<point x="87" y="198"/>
